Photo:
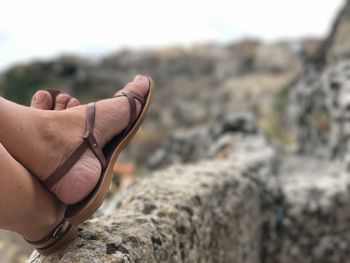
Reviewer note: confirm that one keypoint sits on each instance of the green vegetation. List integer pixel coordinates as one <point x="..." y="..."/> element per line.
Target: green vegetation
<point x="275" y="124"/>
<point x="281" y="98"/>
<point x="21" y="82"/>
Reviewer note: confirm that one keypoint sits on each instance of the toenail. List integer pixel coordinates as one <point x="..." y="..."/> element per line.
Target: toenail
<point x="41" y="97"/>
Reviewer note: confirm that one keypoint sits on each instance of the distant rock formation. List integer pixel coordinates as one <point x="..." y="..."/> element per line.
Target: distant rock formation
<point x="319" y="100"/>
<point x="337" y="45"/>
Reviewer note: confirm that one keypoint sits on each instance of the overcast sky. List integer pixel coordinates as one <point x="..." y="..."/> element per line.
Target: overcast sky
<point x="46" y="28"/>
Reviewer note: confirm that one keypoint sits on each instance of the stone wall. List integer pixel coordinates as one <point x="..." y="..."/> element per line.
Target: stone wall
<point x="337" y="45"/>
<point x="319" y="100"/>
<point x="210" y="211"/>
<point x="246" y="203"/>
<point x="311" y="223"/>
<point x="308" y="213"/>
<point x="204" y="213"/>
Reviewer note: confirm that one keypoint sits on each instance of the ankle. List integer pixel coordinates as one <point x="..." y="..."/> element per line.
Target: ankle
<point x="56" y="130"/>
<point x="41" y="225"/>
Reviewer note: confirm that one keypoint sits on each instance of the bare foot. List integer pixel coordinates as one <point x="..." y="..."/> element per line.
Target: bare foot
<point x="62" y="131"/>
<point x="42" y="100"/>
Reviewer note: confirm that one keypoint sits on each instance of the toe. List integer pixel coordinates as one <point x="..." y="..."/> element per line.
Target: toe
<point x="139" y="85"/>
<point x="62" y="101"/>
<point x="73" y="103"/>
<point x="42" y="100"/>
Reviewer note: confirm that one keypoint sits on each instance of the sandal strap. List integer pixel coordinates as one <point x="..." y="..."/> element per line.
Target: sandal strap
<point x="132" y="97"/>
<point x="56" y="233"/>
<point x="89" y="136"/>
<point x="88" y="141"/>
<point x="133" y="94"/>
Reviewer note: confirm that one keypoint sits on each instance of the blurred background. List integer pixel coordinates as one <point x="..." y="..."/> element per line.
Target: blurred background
<point x="207" y="58"/>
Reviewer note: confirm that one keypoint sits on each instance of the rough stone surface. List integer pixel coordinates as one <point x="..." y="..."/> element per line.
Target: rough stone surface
<point x="319" y="107"/>
<point x="310" y="222"/>
<point x="319" y="100"/>
<point x="337" y="45"/>
<point x="208" y="142"/>
<point x="277" y="57"/>
<point x="204" y="213"/>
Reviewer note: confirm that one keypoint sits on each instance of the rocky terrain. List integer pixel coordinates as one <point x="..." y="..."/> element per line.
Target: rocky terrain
<point x="244" y="157"/>
<point x="195" y="86"/>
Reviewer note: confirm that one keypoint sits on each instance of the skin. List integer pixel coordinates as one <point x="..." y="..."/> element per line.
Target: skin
<point x="42" y="100"/>
<point x="31" y="210"/>
<point x="34" y="142"/>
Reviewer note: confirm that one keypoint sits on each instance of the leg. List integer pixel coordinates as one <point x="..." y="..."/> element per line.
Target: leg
<point x="26" y="206"/>
<point x="20" y="131"/>
<point x="42" y="140"/>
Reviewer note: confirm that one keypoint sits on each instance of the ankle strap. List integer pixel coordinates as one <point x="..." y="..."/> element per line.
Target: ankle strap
<point x="56" y="233"/>
<point x="89" y="141"/>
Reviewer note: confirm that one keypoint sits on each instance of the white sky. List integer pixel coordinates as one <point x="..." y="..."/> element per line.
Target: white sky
<point x="46" y="28"/>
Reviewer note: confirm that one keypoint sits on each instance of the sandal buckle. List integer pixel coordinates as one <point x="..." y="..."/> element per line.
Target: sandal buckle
<point x="58" y="231"/>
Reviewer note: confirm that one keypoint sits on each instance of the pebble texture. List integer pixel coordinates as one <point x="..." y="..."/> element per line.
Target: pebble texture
<point x="337" y="45"/>
<point x="319" y="104"/>
<point x="204" y="213"/>
<point x="309" y="211"/>
<point x="215" y="140"/>
<point x="309" y="214"/>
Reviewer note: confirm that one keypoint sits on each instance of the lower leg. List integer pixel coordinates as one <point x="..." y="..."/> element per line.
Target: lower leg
<point x="18" y="127"/>
<point x="26" y="207"/>
<point x="42" y="140"/>
<point x="27" y="133"/>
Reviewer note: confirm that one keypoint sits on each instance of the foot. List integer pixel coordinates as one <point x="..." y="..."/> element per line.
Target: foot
<point x="63" y="131"/>
<point x="28" y="208"/>
<point x="42" y="100"/>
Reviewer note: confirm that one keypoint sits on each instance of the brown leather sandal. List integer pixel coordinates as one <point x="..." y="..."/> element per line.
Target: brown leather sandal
<point x="78" y="213"/>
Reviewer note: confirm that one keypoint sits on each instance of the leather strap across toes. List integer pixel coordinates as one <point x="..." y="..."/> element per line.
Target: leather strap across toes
<point x="89" y="140"/>
<point x="131" y="96"/>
